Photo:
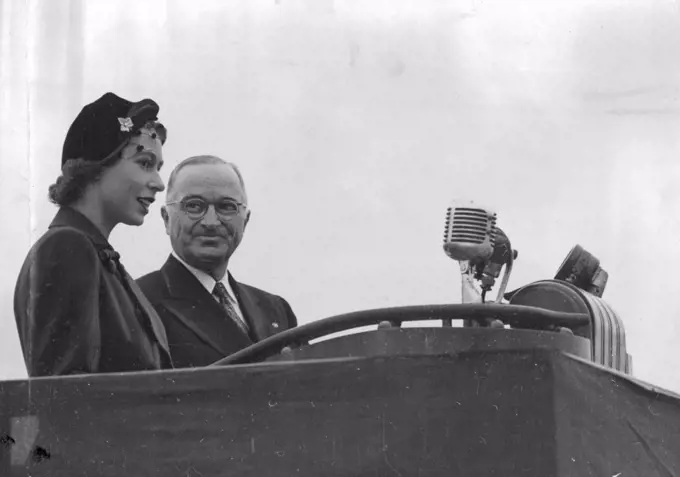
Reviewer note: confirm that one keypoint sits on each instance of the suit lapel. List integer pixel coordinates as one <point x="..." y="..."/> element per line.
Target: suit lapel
<point x="196" y="309"/>
<point x="151" y="315"/>
<point x="254" y="311"/>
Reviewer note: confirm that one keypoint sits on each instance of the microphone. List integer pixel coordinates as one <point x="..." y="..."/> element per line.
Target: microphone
<point x="470" y="232"/>
<point x="481" y="249"/>
<point x="469" y="237"/>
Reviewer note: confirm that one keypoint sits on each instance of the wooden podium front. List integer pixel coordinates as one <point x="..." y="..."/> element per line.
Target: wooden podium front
<point x="517" y="412"/>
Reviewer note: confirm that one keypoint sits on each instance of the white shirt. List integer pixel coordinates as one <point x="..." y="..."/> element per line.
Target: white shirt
<point x="209" y="282"/>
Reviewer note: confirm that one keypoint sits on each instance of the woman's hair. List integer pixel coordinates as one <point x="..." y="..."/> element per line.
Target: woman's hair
<point x="78" y="174"/>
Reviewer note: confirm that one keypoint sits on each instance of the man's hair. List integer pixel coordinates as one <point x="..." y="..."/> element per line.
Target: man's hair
<point x="78" y="174"/>
<point x="206" y="159"/>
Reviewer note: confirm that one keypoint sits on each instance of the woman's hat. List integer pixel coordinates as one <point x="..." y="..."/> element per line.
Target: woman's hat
<point x="104" y="125"/>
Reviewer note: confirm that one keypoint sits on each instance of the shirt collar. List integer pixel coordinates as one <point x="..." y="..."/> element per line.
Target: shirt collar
<point x="205" y="279"/>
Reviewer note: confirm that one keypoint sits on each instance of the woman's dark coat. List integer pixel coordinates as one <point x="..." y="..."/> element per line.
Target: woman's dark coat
<point x="78" y="311"/>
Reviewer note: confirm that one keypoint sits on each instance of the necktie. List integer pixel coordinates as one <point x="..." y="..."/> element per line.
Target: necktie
<point x="220" y="292"/>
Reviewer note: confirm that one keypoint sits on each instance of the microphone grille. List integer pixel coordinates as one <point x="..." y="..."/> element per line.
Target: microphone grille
<point x="469" y="225"/>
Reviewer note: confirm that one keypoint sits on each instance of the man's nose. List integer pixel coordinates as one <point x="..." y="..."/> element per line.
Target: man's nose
<point x="210" y="217"/>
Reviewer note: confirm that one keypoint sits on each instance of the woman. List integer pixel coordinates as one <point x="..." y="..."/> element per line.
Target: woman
<point x="77" y="309"/>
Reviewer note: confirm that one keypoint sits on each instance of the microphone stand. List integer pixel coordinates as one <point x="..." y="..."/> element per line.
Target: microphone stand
<point x="470" y="291"/>
<point x="506" y="277"/>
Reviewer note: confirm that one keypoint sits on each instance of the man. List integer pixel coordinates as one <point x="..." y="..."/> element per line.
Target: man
<point x="208" y="314"/>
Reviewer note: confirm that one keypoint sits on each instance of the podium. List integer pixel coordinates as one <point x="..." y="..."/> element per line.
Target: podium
<point x="505" y="408"/>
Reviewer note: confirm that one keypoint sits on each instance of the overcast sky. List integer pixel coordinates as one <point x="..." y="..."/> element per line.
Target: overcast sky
<point x="356" y="122"/>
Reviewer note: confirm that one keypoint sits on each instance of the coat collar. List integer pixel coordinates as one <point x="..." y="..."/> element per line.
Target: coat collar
<point x="68" y="217"/>
<point x="252" y="309"/>
<point x="195" y="307"/>
<point x="182" y="285"/>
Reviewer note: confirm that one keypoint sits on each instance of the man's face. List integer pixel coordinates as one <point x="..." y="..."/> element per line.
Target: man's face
<point x="207" y="242"/>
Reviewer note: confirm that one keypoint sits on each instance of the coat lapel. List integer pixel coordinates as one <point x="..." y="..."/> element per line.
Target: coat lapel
<point x="196" y="309"/>
<point x="151" y="315"/>
<point x="255" y="312"/>
<point x="68" y="217"/>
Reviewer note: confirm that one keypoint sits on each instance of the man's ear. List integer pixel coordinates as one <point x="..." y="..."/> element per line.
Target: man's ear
<point x="166" y="219"/>
<point x="247" y="220"/>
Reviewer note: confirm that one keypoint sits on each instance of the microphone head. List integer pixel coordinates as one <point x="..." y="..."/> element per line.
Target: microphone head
<point x="470" y="232"/>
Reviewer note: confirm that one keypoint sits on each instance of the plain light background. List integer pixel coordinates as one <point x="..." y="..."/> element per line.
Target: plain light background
<point x="355" y="123"/>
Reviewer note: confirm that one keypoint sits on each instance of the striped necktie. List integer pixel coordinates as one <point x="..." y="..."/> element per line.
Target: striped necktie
<point x="220" y="292"/>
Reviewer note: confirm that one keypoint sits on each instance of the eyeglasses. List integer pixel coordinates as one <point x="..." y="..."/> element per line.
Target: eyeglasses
<point x="196" y="208"/>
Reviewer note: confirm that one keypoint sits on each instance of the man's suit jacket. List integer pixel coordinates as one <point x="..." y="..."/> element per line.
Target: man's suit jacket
<point x="198" y="329"/>
<point x="78" y="311"/>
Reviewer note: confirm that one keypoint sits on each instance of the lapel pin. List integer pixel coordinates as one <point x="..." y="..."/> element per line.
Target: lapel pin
<point x="275" y="325"/>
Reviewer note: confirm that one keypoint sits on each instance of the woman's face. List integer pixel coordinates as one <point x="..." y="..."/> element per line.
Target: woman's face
<point x="129" y="187"/>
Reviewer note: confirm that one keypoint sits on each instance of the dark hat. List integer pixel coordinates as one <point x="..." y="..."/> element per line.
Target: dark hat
<point x="104" y="125"/>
